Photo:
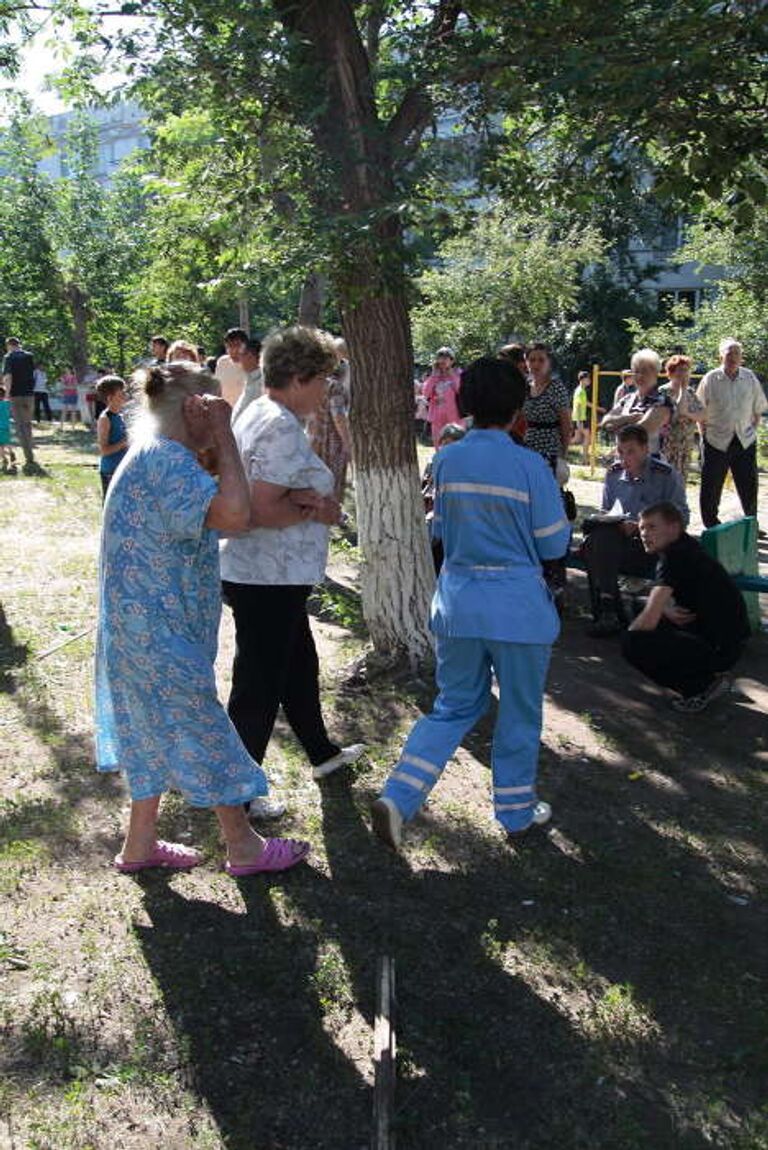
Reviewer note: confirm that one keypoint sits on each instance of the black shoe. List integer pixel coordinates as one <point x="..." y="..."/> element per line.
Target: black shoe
<point x="605" y="626"/>
<point x="695" y="704"/>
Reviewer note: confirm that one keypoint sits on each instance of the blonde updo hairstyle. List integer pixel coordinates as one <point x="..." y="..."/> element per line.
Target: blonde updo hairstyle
<point x="182" y="351"/>
<point x="302" y="352"/>
<point x="164" y="387"/>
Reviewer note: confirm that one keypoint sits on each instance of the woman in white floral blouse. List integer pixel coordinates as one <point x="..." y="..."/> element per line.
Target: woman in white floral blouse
<point x="268" y="572"/>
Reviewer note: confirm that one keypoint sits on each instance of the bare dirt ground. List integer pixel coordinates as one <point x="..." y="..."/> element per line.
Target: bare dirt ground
<point x="603" y="986"/>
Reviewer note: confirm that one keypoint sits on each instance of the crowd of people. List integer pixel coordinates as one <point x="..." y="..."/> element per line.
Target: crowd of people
<point x="225" y="490"/>
<point x="163" y="579"/>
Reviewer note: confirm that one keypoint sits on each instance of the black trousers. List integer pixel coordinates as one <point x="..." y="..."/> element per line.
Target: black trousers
<point x="275" y="665"/>
<point x="608" y="553"/>
<point x="742" y="464"/>
<point x="677" y="658"/>
<point x="42" y="403"/>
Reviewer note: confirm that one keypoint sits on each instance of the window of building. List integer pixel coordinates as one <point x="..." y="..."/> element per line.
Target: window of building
<point x="672" y="297"/>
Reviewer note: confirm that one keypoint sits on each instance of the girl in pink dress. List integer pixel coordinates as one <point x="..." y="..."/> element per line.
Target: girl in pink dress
<point x="441" y="391"/>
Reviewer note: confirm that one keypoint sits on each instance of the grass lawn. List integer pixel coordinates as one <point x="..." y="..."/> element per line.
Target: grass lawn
<point x="604" y="986"/>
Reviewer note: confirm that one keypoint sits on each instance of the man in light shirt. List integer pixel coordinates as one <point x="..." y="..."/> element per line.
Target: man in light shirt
<point x="229" y="369"/>
<point x="734" y="400"/>
<point x="250" y="361"/>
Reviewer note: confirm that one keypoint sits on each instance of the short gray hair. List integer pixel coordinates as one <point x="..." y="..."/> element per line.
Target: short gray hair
<point x="727" y="343"/>
<point x="297" y="351"/>
<point x="646" y="355"/>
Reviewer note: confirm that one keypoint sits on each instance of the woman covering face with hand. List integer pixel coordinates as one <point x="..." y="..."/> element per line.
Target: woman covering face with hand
<point x="158" y="717"/>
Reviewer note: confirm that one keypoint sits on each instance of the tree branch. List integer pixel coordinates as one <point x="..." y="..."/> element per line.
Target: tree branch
<point x="417" y="106"/>
<point x="348" y="125"/>
<point x="373" y="26"/>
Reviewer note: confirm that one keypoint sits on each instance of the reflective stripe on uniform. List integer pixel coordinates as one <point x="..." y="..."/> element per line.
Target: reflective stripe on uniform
<point x="543" y="532"/>
<point x="410" y="780"/>
<point x="514" y="806"/>
<point x="422" y="764"/>
<point x="512" y="790"/>
<point x="484" y="489"/>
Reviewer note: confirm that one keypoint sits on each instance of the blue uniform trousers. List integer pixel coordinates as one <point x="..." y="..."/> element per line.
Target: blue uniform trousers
<point x="464" y="675"/>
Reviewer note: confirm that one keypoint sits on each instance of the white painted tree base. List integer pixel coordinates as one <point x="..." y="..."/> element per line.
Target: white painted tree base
<point x="398" y="576"/>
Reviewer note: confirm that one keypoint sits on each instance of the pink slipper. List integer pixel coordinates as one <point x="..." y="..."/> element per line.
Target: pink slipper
<point x="278" y="854"/>
<point x="172" y="856"/>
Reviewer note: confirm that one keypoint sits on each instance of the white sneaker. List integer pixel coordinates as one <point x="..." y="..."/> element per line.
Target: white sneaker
<point x="542" y="813"/>
<point x="345" y="757"/>
<point x="387" y="822"/>
<point x="266" y="808"/>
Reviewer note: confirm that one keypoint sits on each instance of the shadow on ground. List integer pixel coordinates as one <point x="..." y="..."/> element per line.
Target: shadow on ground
<point x="12" y="654"/>
<point x="601" y="986"/>
<point x="74" y="782"/>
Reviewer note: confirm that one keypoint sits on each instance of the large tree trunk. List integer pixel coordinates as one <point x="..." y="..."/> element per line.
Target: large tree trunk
<point x="369" y="277"/>
<point x="78" y="306"/>
<point x="398" y="575"/>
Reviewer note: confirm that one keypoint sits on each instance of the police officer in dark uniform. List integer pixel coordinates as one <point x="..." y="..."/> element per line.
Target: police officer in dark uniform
<point x="613" y="546"/>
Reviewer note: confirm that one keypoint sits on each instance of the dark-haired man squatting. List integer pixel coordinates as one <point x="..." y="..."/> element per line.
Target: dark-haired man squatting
<point x="694" y="626"/>
<point x="613" y="546"/>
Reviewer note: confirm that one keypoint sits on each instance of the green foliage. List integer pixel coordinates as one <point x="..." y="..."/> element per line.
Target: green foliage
<point x="206" y="243"/>
<point x="69" y="246"/>
<point x="32" y="301"/>
<point x="736" y="307"/>
<point x="96" y="233"/>
<point x="509" y="275"/>
<point x="598" y="329"/>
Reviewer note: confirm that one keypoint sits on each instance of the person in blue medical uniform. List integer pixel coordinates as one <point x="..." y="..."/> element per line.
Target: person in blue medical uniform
<point x="499" y="513"/>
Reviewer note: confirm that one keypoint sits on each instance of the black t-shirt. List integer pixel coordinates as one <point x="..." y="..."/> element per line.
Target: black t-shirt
<point x="703" y="586"/>
<point x="21" y="367"/>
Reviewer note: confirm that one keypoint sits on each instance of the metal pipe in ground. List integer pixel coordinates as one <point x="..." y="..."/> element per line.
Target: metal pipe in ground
<point x="384" y="1054"/>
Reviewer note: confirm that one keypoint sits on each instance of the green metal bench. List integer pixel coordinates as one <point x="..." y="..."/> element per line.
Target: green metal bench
<point x="735" y="546"/>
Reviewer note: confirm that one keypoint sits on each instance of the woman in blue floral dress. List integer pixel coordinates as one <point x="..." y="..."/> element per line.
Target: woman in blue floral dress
<point x="158" y="717"/>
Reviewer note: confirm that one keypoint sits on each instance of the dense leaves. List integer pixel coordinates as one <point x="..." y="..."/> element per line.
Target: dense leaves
<point x="508" y="276"/>
<point x="737" y="306"/>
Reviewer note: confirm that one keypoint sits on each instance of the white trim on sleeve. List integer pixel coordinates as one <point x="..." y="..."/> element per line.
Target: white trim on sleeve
<point x="544" y="532"/>
<point x="484" y="489"/>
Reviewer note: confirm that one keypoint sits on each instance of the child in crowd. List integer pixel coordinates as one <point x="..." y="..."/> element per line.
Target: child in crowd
<point x="70" y="409"/>
<point x="421" y="412"/>
<point x="499" y="513"/>
<point x="111" y="434"/>
<point x="451" y="433"/>
<point x="7" y="454"/>
<point x="582" y="433"/>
